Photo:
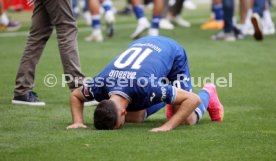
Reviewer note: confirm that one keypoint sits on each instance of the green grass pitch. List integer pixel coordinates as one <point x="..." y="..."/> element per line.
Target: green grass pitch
<point x="247" y="133"/>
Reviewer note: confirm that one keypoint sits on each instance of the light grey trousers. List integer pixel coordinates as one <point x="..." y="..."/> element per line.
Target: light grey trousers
<point x="48" y="14"/>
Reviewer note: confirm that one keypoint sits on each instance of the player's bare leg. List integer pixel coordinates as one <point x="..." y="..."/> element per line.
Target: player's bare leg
<point x="142" y="22"/>
<point x="156" y="16"/>
<point x="96" y="34"/>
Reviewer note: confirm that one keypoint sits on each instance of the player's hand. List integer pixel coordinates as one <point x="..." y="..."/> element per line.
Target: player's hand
<point x="76" y="126"/>
<point x="160" y="129"/>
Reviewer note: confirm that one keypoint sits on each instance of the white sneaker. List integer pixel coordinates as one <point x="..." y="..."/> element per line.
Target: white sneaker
<point x="4" y="20"/>
<point x="269" y="30"/>
<point x="153" y="32"/>
<point x="95" y="36"/>
<point x="166" y="24"/>
<point x="268" y="25"/>
<point x="247" y="29"/>
<point x="230" y="37"/>
<point x="143" y="25"/>
<point x="189" y="5"/>
<point x="181" y="22"/>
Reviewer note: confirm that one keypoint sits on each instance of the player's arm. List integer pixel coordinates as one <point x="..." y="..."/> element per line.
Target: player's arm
<point x="76" y="102"/>
<point x="187" y="102"/>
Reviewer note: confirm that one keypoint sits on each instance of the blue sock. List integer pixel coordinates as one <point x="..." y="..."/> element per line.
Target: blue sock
<point x="107" y="5"/>
<point x="139" y="12"/>
<point x="96" y="22"/>
<point x="201" y="109"/>
<point x="218" y="11"/>
<point x="155" y="108"/>
<point x="155" y="22"/>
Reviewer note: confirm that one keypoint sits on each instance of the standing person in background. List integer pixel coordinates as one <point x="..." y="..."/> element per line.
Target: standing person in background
<point x="229" y="32"/>
<point x="143" y="23"/>
<point x="175" y="14"/>
<point x="258" y="9"/>
<point x="262" y="16"/>
<point x="126" y="10"/>
<point x="48" y="14"/>
<point x="172" y="13"/>
<point x="94" y="7"/>
<point x="268" y="24"/>
<point x="261" y="19"/>
<point x="216" y="20"/>
<point x="5" y="23"/>
<point x="243" y="10"/>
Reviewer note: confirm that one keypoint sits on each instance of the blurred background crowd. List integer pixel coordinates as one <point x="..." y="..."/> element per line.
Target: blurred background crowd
<point x="254" y="17"/>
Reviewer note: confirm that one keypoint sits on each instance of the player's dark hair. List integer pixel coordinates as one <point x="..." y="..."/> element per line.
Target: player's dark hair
<point x="105" y="115"/>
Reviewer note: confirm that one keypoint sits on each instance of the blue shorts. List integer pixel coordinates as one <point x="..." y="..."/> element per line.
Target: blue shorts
<point x="179" y="77"/>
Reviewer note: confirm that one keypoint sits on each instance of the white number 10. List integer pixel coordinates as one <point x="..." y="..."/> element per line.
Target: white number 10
<point x="136" y="51"/>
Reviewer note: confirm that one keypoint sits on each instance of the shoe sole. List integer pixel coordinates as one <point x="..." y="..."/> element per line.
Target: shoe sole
<point x="28" y="103"/>
<point x="258" y="35"/>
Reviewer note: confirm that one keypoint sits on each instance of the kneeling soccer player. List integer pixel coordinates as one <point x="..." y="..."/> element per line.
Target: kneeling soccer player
<point x="151" y="73"/>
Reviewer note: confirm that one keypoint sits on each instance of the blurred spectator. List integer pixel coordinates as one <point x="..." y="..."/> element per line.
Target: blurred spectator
<point x="268" y="24"/>
<point x="189" y="4"/>
<point x="216" y="20"/>
<point x="126" y="10"/>
<point x="261" y="19"/>
<point x="143" y="24"/>
<point x="172" y="13"/>
<point x="5" y="23"/>
<point x="94" y="7"/>
<point x="229" y="32"/>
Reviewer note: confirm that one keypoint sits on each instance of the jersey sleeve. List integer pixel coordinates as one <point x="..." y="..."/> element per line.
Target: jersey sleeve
<point x="87" y="90"/>
<point x="163" y="93"/>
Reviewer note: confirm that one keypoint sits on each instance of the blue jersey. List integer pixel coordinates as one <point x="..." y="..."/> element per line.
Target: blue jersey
<point x="143" y="74"/>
